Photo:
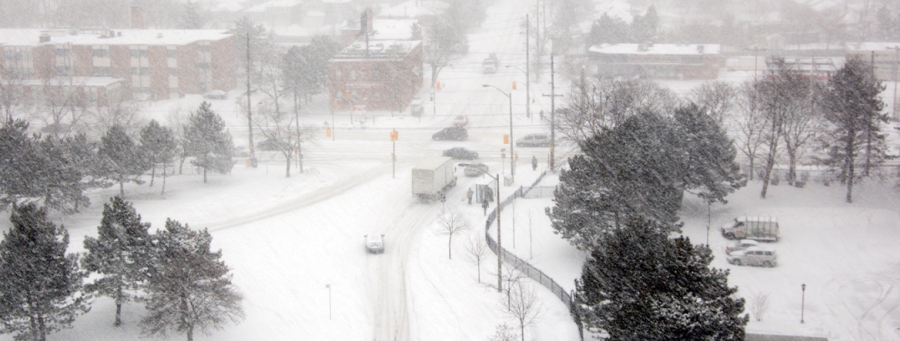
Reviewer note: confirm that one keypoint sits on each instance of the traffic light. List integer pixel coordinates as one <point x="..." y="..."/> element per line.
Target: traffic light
<point x="505" y="139"/>
<point x="514" y="85"/>
<point x="394" y="135"/>
<point x="328" y="132"/>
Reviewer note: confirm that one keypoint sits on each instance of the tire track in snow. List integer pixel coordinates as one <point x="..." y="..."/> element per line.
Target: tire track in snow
<point x="870" y="324"/>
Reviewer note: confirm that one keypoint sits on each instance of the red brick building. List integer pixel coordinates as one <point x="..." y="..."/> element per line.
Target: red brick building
<point x="152" y="64"/>
<point x="383" y="76"/>
<point x="657" y="61"/>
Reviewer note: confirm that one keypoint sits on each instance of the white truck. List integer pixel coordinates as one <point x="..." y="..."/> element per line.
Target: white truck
<point x="490" y="64"/>
<point x="764" y="229"/>
<point x="432" y="177"/>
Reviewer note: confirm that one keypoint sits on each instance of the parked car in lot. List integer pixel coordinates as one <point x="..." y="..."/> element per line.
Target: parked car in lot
<point x="460" y="121"/>
<point x="756" y="256"/>
<point x="451" y="133"/>
<point x="742" y="244"/>
<point x="461" y="153"/>
<point x="474" y="169"/>
<point x="270" y="145"/>
<point x="375" y="243"/>
<point x="534" y="140"/>
<point x="216" y="94"/>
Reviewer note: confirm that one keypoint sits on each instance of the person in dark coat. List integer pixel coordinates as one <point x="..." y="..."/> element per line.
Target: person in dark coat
<point x="469" y="194"/>
<point x="534" y="163"/>
<point x="484" y="205"/>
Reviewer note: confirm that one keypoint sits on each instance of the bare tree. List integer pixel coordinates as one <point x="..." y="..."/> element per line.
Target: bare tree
<point x="124" y="114"/>
<point x="802" y="124"/>
<point x="445" y="42"/>
<point x="478" y="250"/>
<point x="779" y="97"/>
<point x="178" y="120"/>
<point x="451" y="223"/>
<point x="11" y="96"/>
<point x="504" y="333"/>
<point x="759" y="305"/>
<point x="61" y="106"/>
<point x="716" y="97"/>
<point x="525" y="306"/>
<point x="749" y="123"/>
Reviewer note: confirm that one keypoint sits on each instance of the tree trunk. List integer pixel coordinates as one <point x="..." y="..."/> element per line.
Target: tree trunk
<point x="300" y="153"/>
<point x="204" y="174"/>
<point x="449" y="247"/>
<point x="181" y="165"/>
<point x="850" y="168"/>
<point x="42" y="329"/>
<point x="751" y="169"/>
<point x="287" y="170"/>
<point x="164" y="179"/>
<point x="152" y="175"/>
<point x="122" y="188"/>
<point x="792" y="166"/>
<point x="119" y="295"/>
<point x="522" y="329"/>
<point x="190" y="333"/>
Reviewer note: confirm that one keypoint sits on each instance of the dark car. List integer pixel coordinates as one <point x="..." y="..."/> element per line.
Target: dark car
<point x="534" y="140"/>
<point x="451" y="133"/>
<point x="461" y="153"/>
<point x="271" y="145"/>
<point x="474" y="169"/>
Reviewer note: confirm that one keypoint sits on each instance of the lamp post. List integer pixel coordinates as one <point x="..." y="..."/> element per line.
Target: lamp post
<point x="328" y="286"/>
<point x="512" y="151"/>
<point x="527" y="92"/>
<point x="499" y="240"/>
<point x="802" y="300"/>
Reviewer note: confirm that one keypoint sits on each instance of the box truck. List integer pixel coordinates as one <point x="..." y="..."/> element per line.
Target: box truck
<point x="432" y="177"/>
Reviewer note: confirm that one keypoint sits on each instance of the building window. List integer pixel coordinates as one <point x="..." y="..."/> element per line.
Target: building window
<point x="204" y="47"/>
<point x="352" y="74"/>
<point x="172" y="54"/>
<point x="203" y="65"/>
<point x="173" y="72"/>
<point x="101" y="71"/>
<point x="377" y="96"/>
<point x="138" y="53"/>
<point x="101" y="53"/>
<point x="376" y="74"/>
<point x="62" y="52"/>
<point x="337" y="74"/>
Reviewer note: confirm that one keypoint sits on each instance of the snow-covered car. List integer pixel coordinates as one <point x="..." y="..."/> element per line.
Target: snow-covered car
<point x="451" y="133"/>
<point x="534" y="140"/>
<point x="756" y="256"/>
<point x="216" y="94"/>
<point x="375" y="243"/>
<point x="474" y="169"/>
<point x="742" y="244"/>
<point x="461" y="121"/>
<point x="461" y="153"/>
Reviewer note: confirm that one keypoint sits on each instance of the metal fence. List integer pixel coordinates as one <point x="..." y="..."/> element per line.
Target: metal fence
<point x="510" y="259"/>
<point x="536" y="192"/>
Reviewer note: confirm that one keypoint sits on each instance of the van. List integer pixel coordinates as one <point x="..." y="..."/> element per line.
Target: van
<point x="764" y="229"/>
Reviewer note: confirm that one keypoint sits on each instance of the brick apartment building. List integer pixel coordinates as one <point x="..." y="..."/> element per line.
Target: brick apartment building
<point x="382" y="76"/>
<point x="659" y="61"/>
<point x="150" y="64"/>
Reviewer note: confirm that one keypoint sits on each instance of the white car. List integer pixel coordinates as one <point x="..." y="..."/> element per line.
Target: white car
<point x="375" y="243"/>
<point x="742" y="244"/>
<point x="757" y="256"/>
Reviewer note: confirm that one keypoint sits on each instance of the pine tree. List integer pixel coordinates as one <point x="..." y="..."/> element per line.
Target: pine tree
<point x="640" y="285"/>
<point x="853" y="109"/>
<point x="60" y="178"/>
<point x="208" y="142"/>
<point x="19" y="162"/>
<point x="121" y="253"/>
<point x="158" y="146"/>
<point x="711" y="169"/>
<point x="189" y="286"/>
<point x="40" y="285"/>
<point x="121" y="160"/>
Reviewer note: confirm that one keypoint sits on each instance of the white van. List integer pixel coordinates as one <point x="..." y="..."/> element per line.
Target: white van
<point x="755" y="228"/>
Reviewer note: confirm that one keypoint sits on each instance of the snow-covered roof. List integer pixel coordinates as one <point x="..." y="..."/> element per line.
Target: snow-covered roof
<point x="393" y="29"/>
<point x="414" y="8"/>
<point x="656" y="49"/>
<point x="274" y="4"/>
<point x="30" y="37"/>
<point x="872" y="46"/>
<point x="378" y="49"/>
<point x="75" y="81"/>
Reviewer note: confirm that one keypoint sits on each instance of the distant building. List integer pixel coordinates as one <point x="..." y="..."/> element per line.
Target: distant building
<point x="657" y="61"/>
<point x="885" y="55"/>
<point x="381" y="76"/>
<point x="151" y="64"/>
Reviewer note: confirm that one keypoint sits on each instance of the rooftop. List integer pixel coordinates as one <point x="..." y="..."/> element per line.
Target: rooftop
<point x="656" y="49"/>
<point x="378" y="49"/>
<point x="31" y="37"/>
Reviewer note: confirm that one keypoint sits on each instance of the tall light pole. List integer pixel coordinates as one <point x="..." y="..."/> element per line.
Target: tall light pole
<point x="527" y="91"/>
<point x="894" y="76"/>
<point x="512" y="151"/>
<point x="499" y="239"/>
<point x="802" y="300"/>
<point x="328" y="286"/>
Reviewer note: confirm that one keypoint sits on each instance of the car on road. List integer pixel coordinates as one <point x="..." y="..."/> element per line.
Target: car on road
<point x="460" y="153"/>
<point x="742" y="244"/>
<point x="451" y="133"/>
<point x="534" y="140"/>
<point x="271" y="145"/>
<point x="474" y="169"/>
<point x="216" y="94"/>
<point x="375" y="243"/>
<point x="756" y="256"/>
<point x="461" y="121"/>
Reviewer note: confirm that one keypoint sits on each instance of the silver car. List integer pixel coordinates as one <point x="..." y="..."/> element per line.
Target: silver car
<point x="534" y="140"/>
<point x="375" y="243"/>
<point x="756" y="256"/>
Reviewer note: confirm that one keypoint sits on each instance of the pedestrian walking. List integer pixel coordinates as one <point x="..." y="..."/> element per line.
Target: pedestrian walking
<point x="484" y="205"/>
<point x="534" y="163"/>
<point x="469" y="194"/>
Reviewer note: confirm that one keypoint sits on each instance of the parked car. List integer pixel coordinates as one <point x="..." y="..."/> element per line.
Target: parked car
<point x="375" y="243"/>
<point x="216" y="94"/>
<point x="269" y="145"/>
<point x="757" y="256"/>
<point x="474" y="169"/>
<point x="461" y="121"/>
<point x="534" y="140"/>
<point x="461" y="153"/>
<point x="451" y="133"/>
<point x="742" y="244"/>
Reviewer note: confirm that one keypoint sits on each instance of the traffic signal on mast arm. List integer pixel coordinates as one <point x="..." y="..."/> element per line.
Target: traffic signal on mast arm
<point x="514" y="85"/>
<point x="505" y="139"/>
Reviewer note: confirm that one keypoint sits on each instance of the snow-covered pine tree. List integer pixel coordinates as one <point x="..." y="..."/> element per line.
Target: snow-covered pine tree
<point x="853" y="109"/>
<point x="19" y="163"/>
<point x="121" y="253"/>
<point x="158" y="146"/>
<point x="120" y="158"/>
<point x="640" y="285"/>
<point x="189" y="286"/>
<point x="711" y="170"/>
<point x="60" y="178"/>
<point x="208" y="142"/>
<point x="40" y="285"/>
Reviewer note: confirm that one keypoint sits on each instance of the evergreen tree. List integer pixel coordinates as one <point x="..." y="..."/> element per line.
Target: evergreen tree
<point x="711" y="169"/>
<point x="121" y="160"/>
<point x="189" y="286"/>
<point x="19" y="162"/>
<point x="208" y="142"/>
<point x="853" y="109"/>
<point x="609" y="30"/>
<point x="40" y="285"/>
<point x="60" y="179"/>
<point x="191" y="17"/>
<point x="158" y="146"/>
<point x="121" y="253"/>
<point x="645" y="27"/>
<point x="81" y="154"/>
<point x="640" y="285"/>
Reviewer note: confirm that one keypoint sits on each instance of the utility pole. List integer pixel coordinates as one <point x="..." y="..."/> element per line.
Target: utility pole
<point x="894" y="76"/>
<point x="552" y="114"/>
<point x="249" y="111"/>
<point x="528" y="73"/>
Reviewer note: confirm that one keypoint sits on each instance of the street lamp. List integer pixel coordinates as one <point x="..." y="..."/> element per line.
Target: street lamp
<point x="802" y="300"/>
<point x="499" y="240"/>
<point x="527" y="92"/>
<point x="328" y="286"/>
<point x="512" y="152"/>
